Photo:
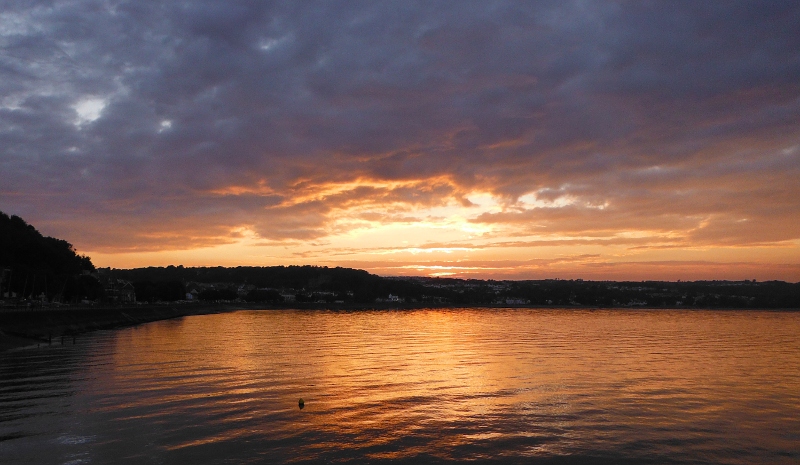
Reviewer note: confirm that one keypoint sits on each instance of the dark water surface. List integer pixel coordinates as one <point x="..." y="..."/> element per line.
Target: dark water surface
<point x="505" y="386"/>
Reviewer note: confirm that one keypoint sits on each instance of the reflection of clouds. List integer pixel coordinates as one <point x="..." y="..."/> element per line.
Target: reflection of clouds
<point x="418" y="385"/>
<point x="309" y="124"/>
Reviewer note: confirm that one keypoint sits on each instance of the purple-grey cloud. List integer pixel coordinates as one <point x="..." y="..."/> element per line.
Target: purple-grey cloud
<point x="121" y="119"/>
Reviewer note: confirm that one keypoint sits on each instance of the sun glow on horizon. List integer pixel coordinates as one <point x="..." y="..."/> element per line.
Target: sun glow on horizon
<point x="449" y="239"/>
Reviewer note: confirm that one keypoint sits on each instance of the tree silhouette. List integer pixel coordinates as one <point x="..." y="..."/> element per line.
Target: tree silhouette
<point x="34" y="264"/>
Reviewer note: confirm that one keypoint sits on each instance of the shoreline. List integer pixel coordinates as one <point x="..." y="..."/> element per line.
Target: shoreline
<point x="21" y="328"/>
<point x="28" y="327"/>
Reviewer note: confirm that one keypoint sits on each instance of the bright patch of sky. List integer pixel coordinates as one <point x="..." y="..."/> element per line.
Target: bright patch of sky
<point x="486" y="201"/>
<point x="12" y="103"/>
<point x="89" y="110"/>
<point x="270" y="44"/>
<point x="13" y="24"/>
<point x="532" y="201"/>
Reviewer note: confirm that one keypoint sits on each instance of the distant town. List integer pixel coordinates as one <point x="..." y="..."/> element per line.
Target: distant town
<point x="286" y="286"/>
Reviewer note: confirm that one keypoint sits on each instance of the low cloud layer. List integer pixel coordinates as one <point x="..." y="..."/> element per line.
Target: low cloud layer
<point x="638" y="131"/>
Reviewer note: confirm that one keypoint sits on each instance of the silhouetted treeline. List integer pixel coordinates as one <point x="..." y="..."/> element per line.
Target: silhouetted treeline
<point x="269" y="276"/>
<point x="159" y="291"/>
<point x="695" y="294"/>
<point x="32" y="264"/>
<point x="347" y="283"/>
<point x="264" y="295"/>
<point x="314" y="284"/>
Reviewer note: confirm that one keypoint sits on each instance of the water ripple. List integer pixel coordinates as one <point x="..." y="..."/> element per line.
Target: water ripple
<point x="428" y="386"/>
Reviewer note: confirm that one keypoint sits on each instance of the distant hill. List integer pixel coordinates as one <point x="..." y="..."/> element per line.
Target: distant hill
<point x="319" y="283"/>
<point x="32" y="264"/>
<point x="347" y="283"/>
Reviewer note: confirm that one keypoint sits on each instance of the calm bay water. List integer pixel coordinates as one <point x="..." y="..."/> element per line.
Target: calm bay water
<point x="506" y="386"/>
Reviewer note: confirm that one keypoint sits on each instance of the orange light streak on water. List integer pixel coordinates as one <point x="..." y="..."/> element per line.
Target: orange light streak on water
<point x="610" y="386"/>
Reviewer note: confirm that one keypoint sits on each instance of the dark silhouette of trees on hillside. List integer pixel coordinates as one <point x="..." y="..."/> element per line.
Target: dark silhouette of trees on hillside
<point x="159" y="291"/>
<point x="34" y="264"/>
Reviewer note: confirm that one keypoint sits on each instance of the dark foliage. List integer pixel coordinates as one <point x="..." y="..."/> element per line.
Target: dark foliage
<point x="159" y="291"/>
<point x="82" y="287"/>
<point x="214" y="295"/>
<point x="33" y="264"/>
<point x="315" y="284"/>
<point x="365" y="287"/>
<point x="264" y="295"/>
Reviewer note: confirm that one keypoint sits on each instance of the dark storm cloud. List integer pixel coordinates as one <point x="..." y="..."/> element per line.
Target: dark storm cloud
<point x="130" y="117"/>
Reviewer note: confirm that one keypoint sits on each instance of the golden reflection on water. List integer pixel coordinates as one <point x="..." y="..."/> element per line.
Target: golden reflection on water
<point x="461" y="384"/>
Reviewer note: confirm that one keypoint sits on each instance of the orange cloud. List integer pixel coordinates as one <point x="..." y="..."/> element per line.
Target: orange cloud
<point x="488" y="141"/>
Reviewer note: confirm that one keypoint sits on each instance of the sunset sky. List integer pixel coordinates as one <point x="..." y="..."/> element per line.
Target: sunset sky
<point x="522" y="140"/>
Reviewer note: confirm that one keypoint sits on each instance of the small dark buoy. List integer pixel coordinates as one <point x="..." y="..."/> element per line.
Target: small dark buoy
<point x="301" y="404"/>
